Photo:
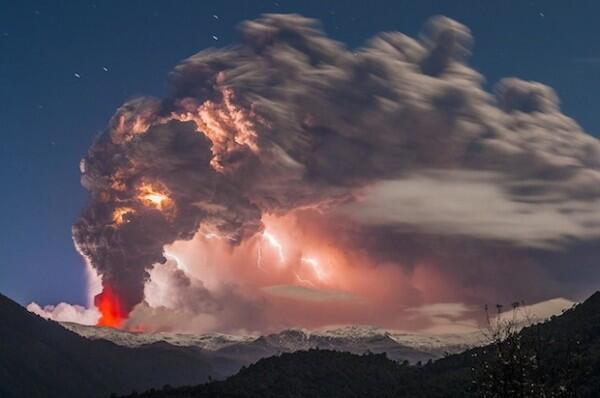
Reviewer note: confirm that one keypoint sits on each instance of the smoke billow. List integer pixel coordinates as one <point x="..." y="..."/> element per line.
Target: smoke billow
<point x="64" y="312"/>
<point x="397" y="137"/>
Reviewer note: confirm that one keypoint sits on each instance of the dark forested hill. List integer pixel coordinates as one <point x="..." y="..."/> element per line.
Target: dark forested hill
<point x="558" y="358"/>
<point x="39" y="358"/>
<point x="313" y="373"/>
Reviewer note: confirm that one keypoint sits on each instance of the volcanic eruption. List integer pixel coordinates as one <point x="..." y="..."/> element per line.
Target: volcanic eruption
<point x="109" y="307"/>
<point x="309" y="171"/>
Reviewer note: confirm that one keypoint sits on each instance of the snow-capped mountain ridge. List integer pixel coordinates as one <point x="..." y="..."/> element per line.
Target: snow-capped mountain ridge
<point x="209" y="341"/>
<point x="348" y="338"/>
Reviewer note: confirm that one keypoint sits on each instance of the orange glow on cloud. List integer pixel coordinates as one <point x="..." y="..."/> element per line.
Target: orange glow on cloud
<point x="136" y="126"/>
<point x="289" y="256"/>
<point x="297" y="272"/>
<point x="154" y="196"/>
<point x="120" y="214"/>
<point x="225" y="124"/>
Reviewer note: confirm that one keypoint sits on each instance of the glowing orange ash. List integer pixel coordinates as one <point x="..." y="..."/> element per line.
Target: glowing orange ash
<point x="119" y="214"/>
<point x="111" y="313"/>
<point x="225" y="124"/>
<point x="152" y="196"/>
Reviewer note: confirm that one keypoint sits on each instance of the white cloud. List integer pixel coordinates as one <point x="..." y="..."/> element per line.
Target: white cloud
<point x="307" y="294"/>
<point x="177" y="301"/>
<point x="447" y="310"/>
<point x="443" y="318"/>
<point x="477" y="204"/>
<point x="536" y="312"/>
<point x="64" y="312"/>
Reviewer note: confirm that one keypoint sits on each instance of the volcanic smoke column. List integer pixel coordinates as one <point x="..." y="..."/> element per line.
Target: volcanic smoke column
<point x="215" y="155"/>
<point x="146" y="192"/>
<point x="290" y="119"/>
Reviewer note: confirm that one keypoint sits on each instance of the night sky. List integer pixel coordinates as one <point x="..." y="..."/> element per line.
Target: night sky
<point x="67" y="65"/>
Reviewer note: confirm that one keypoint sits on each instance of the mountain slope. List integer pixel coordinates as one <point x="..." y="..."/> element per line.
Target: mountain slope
<point x="557" y="358"/>
<point x="39" y="358"/>
<point x="248" y="348"/>
<point x="209" y="342"/>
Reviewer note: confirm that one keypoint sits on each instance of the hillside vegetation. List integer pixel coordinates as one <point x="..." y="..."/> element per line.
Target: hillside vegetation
<point x="557" y="358"/>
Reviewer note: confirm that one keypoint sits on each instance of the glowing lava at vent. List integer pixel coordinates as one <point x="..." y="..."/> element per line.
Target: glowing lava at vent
<point x="111" y="313"/>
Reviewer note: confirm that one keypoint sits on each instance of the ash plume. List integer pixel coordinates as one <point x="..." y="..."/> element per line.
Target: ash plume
<point x="289" y="119"/>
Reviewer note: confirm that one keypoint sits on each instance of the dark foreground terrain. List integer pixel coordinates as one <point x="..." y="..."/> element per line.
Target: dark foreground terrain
<point x="558" y="358"/>
<point x="40" y="358"/>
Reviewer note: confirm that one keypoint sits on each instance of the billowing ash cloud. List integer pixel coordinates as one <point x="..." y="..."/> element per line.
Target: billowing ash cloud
<point x="174" y="301"/>
<point x="290" y="119"/>
<point x="153" y="189"/>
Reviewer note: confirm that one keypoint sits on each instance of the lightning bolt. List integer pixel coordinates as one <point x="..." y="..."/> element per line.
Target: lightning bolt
<point x="315" y="266"/>
<point x="302" y="280"/>
<point x="180" y="264"/>
<point x="275" y="244"/>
